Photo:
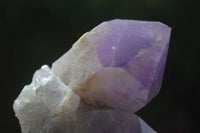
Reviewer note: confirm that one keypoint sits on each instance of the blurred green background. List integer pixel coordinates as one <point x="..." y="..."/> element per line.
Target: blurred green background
<point x="37" y="32"/>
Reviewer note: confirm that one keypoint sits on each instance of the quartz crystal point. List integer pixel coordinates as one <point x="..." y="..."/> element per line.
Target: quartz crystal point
<point x="118" y="64"/>
<point x="45" y="94"/>
<point x="108" y="74"/>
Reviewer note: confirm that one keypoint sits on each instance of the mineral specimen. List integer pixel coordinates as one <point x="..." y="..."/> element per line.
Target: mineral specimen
<point x="109" y="73"/>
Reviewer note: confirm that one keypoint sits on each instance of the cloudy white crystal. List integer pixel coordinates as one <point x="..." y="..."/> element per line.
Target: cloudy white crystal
<point x="44" y="95"/>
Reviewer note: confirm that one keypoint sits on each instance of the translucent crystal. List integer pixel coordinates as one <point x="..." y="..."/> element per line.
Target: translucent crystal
<point x="118" y="64"/>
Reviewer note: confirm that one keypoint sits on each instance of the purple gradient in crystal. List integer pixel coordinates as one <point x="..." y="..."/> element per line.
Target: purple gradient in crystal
<point x="139" y="47"/>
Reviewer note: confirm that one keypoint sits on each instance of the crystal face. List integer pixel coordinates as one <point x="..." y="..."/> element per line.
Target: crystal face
<point x="109" y="73"/>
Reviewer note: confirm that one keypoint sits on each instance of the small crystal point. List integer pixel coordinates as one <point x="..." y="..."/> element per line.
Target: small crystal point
<point x="44" y="95"/>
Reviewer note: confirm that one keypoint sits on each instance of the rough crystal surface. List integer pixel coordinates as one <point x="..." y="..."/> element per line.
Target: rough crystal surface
<point x="44" y="95"/>
<point x="109" y="73"/>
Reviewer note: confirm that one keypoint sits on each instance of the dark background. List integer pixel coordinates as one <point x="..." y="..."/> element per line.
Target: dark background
<point x="37" y="32"/>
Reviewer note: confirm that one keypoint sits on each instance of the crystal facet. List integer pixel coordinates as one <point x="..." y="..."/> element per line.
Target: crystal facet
<point x="108" y="74"/>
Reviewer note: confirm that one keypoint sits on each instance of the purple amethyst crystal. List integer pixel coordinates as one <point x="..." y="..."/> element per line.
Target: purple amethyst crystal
<point x="138" y="47"/>
<point x="119" y="64"/>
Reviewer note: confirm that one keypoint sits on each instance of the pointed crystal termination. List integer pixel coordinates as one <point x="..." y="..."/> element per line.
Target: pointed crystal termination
<point x="49" y="91"/>
<point x="118" y="64"/>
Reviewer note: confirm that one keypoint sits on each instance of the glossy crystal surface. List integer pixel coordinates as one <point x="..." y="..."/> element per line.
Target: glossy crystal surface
<point x="119" y="63"/>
